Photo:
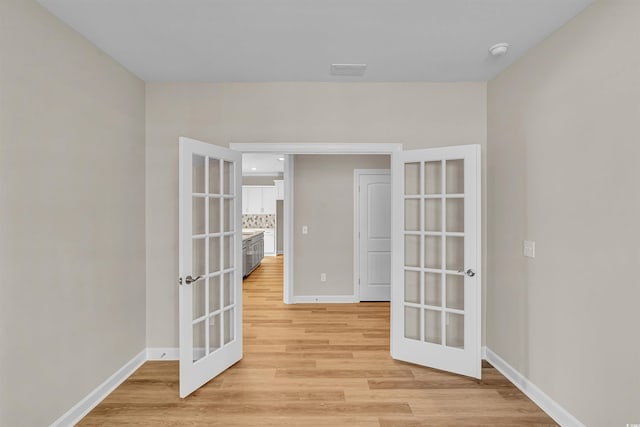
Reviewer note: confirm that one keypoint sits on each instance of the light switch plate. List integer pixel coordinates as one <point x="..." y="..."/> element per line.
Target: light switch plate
<point x="305" y="229"/>
<point x="529" y="248"/>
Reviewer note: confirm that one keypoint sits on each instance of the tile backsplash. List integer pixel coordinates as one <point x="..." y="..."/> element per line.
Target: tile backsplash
<point x="259" y="221"/>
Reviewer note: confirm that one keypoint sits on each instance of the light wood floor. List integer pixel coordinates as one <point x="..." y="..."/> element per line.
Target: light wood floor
<point x="315" y="365"/>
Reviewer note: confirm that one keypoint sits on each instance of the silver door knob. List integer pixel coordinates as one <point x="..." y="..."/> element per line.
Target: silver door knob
<point x="469" y="272"/>
<point x="189" y="280"/>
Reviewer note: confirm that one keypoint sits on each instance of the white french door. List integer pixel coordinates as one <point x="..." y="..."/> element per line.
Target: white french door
<point x="210" y="239"/>
<point x="436" y="294"/>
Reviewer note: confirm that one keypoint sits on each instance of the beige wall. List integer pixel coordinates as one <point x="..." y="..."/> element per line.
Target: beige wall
<point x="72" y="304"/>
<point x="563" y="170"/>
<point x="259" y="180"/>
<point x="323" y="201"/>
<point x="414" y="114"/>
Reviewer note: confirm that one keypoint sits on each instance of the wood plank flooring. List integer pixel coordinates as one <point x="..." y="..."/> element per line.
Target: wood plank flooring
<point x="315" y="365"/>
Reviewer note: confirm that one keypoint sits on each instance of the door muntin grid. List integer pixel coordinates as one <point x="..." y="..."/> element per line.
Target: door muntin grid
<point x="213" y="255"/>
<point x="434" y="240"/>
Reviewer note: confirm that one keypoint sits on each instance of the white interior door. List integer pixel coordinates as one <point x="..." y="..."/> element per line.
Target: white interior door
<point x="374" y="234"/>
<point x="210" y="239"/>
<point x="436" y="297"/>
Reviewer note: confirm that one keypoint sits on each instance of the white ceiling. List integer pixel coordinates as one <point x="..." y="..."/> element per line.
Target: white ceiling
<point x="262" y="164"/>
<point x="298" y="40"/>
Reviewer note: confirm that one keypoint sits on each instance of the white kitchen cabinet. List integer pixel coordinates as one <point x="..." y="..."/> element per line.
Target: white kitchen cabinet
<point x="258" y="200"/>
<point x="245" y="208"/>
<point x="269" y="200"/>
<point x="254" y="199"/>
<point x="279" y="189"/>
<point x="269" y="242"/>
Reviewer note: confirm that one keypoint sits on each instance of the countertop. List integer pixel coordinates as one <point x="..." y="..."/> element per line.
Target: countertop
<point x="248" y="234"/>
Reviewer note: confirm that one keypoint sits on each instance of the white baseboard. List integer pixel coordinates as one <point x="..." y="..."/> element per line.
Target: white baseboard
<point x="540" y="398"/>
<point x="323" y="299"/>
<point x="163" y="353"/>
<point x="91" y="400"/>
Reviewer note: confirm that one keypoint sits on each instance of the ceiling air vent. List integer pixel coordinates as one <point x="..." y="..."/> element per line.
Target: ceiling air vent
<point x="356" y="70"/>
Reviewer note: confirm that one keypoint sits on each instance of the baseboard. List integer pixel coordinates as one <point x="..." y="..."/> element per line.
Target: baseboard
<point x="91" y="400"/>
<point x="163" y="353"/>
<point x="540" y="398"/>
<point x="323" y="299"/>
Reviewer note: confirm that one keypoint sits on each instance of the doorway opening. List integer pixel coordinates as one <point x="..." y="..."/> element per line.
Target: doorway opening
<point x="262" y="208"/>
<point x="295" y="155"/>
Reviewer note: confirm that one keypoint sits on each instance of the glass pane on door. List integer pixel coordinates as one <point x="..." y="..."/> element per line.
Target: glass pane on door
<point x="228" y="177"/>
<point x="214" y="333"/>
<point x="214" y="294"/>
<point x="198" y="174"/>
<point x="229" y="328"/>
<point x="412" y="323"/>
<point x="199" y="340"/>
<point x="214" y="176"/>
<point x="412" y="287"/>
<point x="198" y="210"/>
<point x="433" y="326"/>
<point x="434" y="244"/>
<point x="455" y="176"/>
<point x="213" y="255"/>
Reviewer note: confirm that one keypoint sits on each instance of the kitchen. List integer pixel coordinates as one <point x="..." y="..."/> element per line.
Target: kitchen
<point x="262" y="208"/>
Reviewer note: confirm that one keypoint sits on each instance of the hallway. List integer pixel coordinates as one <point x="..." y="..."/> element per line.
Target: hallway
<point x="315" y="365"/>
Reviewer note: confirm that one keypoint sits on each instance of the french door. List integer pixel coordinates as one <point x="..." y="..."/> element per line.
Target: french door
<point x="436" y="294"/>
<point x="435" y="285"/>
<point x="210" y="265"/>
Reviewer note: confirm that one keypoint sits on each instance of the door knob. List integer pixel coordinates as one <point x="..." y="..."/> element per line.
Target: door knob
<point x="469" y="272"/>
<point x="189" y="280"/>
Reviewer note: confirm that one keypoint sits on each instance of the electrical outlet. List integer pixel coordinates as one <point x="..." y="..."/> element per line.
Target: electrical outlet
<point x="305" y="229"/>
<point x="323" y="277"/>
<point x="529" y="248"/>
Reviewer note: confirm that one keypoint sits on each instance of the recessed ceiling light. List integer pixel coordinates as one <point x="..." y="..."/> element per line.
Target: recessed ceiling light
<point x="499" y="49"/>
<point x="254" y="169"/>
<point x="356" y="70"/>
<point x="281" y="158"/>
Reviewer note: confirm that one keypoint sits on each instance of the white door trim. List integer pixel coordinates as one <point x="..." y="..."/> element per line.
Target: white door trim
<point x="287" y="233"/>
<point x="290" y="149"/>
<point x="316" y="148"/>
<point x="357" y="173"/>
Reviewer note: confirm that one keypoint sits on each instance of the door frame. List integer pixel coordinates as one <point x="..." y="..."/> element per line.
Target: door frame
<point x="357" y="173"/>
<point x="289" y="150"/>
